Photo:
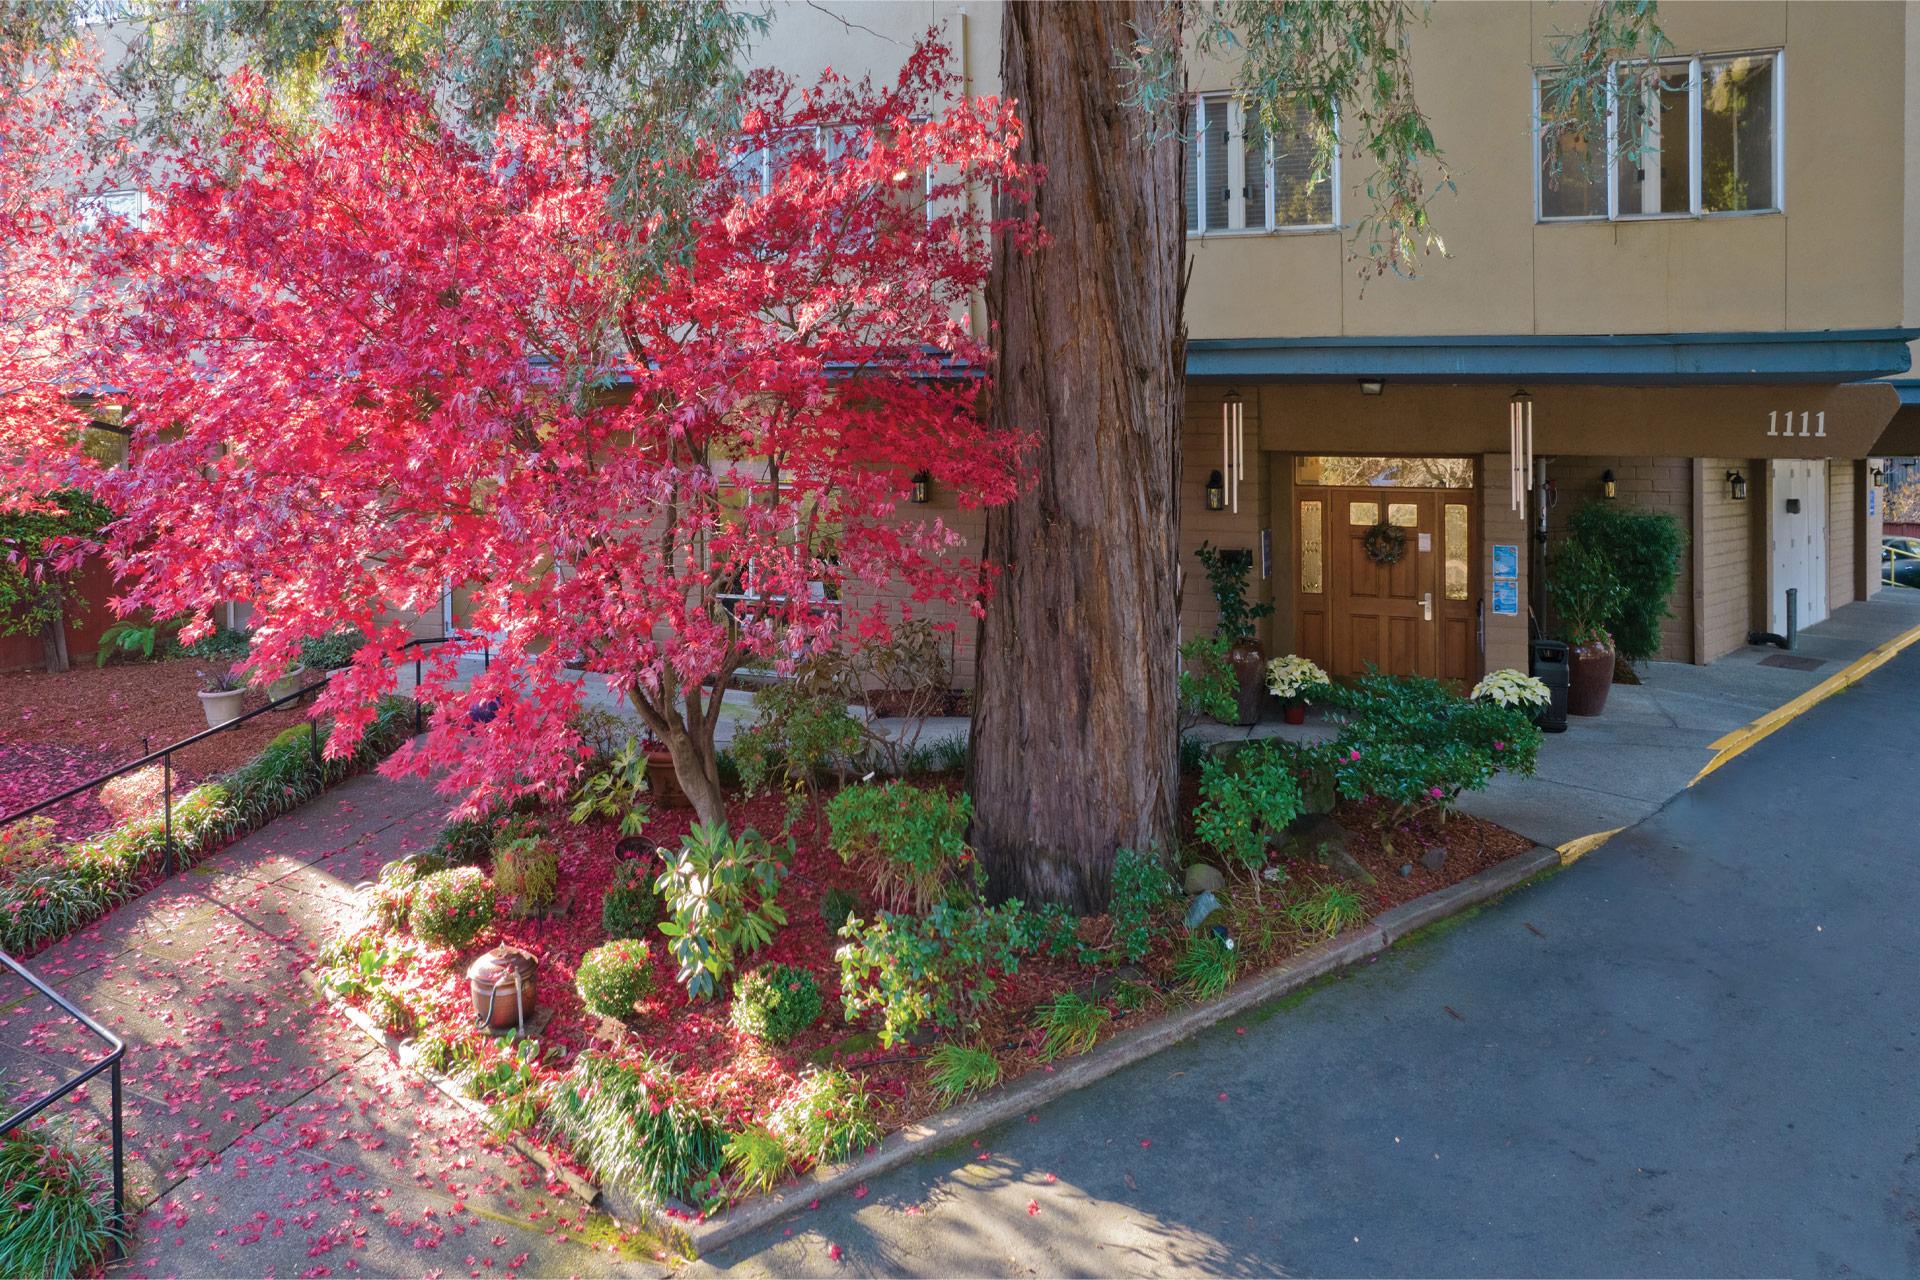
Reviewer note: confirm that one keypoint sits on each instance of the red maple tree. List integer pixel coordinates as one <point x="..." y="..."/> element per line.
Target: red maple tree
<point x="366" y="361"/>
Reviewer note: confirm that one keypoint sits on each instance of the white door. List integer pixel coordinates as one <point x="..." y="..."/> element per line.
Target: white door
<point x="1799" y="496"/>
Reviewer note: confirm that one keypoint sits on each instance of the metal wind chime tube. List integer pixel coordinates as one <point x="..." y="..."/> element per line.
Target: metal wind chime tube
<point x="1233" y="446"/>
<point x="1519" y="449"/>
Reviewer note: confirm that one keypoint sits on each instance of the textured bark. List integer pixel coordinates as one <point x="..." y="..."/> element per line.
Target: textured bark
<point x="53" y="637"/>
<point x="1075" y="723"/>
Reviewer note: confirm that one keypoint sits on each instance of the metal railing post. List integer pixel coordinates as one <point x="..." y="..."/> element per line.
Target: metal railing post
<point x="166" y="793"/>
<point x="416" y="696"/>
<point x="119" y="1157"/>
<point x="313" y="740"/>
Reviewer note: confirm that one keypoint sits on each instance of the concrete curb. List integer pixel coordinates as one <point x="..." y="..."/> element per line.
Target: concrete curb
<point x="1019" y="1097"/>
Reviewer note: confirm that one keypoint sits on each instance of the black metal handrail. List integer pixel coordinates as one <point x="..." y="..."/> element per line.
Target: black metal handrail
<point x="164" y="756"/>
<point x="116" y="1050"/>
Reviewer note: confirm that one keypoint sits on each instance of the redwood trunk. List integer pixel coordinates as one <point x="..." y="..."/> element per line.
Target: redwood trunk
<point x="1076" y="734"/>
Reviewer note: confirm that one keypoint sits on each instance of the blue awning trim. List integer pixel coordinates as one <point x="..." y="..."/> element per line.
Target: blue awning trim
<point x="1654" y="359"/>
<point x="1908" y="389"/>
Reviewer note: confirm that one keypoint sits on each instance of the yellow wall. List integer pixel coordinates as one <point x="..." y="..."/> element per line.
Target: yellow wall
<point x="1723" y="555"/>
<point x="1843" y="532"/>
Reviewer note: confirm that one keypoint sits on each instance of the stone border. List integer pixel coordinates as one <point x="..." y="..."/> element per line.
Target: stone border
<point x="1020" y="1097"/>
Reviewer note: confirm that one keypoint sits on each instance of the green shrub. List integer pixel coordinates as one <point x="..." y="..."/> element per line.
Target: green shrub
<point x="836" y="904"/>
<point x="934" y="969"/>
<point x="1208" y="965"/>
<point x="1071" y="1023"/>
<point x="1208" y="686"/>
<point x="1227" y="572"/>
<point x="507" y="1078"/>
<point x="776" y="1004"/>
<point x="956" y="1070"/>
<point x="445" y="1052"/>
<point x="222" y="642"/>
<point x="1643" y="549"/>
<point x="1327" y="910"/>
<point x="614" y="977"/>
<point x="452" y="908"/>
<point x="330" y="653"/>
<point x="1244" y="800"/>
<point x="59" y="1220"/>
<point x="801" y="731"/>
<point x="826" y="1118"/>
<point x="1141" y="887"/>
<point x="630" y="907"/>
<point x="614" y="790"/>
<point x="1416" y="745"/>
<point x="525" y="867"/>
<point x="393" y="892"/>
<point x="911" y="840"/>
<point x="719" y="895"/>
<point x="466" y="842"/>
<point x="629" y="1124"/>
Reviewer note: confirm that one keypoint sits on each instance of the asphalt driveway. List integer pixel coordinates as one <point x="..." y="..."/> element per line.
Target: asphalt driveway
<point x="1694" y="1052"/>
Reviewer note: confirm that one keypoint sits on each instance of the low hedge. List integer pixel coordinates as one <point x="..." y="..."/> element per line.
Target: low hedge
<point x="78" y="883"/>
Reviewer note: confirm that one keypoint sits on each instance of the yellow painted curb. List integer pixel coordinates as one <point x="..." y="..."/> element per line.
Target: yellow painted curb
<point x="1579" y="847"/>
<point x="1730" y="745"/>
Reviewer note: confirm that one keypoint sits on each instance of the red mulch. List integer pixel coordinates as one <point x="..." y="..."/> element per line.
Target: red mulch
<point x="1472" y="845"/>
<point x="93" y="718"/>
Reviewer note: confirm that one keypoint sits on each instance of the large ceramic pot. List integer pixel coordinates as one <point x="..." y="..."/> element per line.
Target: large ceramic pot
<point x="286" y="684"/>
<point x="664" y="780"/>
<point x="503" y="986"/>
<point x="1249" y="665"/>
<point x="222" y="707"/>
<point x="1589" y="676"/>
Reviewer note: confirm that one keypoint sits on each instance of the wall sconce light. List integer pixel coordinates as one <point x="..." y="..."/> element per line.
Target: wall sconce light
<point x="1216" y="491"/>
<point x="1371" y="386"/>
<point x="1608" y="489"/>
<point x="922" y="487"/>
<point x="1879" y="478"/>
<point x="1736" y="486"/>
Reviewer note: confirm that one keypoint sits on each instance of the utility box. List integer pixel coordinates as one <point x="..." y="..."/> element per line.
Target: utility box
<point x="1550" y="668"/>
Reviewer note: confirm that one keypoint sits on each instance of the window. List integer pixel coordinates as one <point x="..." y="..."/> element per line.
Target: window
<point x="1241" y="177"/>
<point x="1384" y="473"/>
<point x="129" y="206"/>
<point x="1706" y="142"/>
<point x="758" y="160"/>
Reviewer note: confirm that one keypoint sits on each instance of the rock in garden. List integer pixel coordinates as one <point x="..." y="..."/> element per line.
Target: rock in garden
<point x="1434" y="858"/>
<point x="1406" y="868"/>
<point x="1202" y="878"/>
<point x="1318" y="838"/>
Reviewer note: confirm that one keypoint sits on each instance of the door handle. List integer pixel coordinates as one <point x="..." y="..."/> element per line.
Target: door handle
<point x="1426" y="607"/>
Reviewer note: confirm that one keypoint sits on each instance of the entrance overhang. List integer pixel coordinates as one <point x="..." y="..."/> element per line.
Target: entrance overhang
<point x="1901" y="439"/>
<point x="1795" y="420"/>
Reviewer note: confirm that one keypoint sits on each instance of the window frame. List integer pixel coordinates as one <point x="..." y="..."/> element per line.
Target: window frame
<point x="1197" y="122"/>
<point x="1695" y="143"/>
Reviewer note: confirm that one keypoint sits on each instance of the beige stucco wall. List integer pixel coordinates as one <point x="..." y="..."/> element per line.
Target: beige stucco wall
<point x="1723" y="555"/>
<point x="1506" y="644"/>
<point x="1843" y="531"/>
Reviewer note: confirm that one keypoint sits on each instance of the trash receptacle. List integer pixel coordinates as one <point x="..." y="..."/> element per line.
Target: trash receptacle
<point x="1550" y="669"/>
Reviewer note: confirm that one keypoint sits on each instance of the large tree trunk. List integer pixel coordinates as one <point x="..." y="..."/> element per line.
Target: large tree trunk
<point x="53" y="636"/>
<point x="1076" y="747"/>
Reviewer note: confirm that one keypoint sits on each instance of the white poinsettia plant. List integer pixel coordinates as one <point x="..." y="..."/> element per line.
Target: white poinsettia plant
<point x="1510" y="688"/>
<point x="1294" y="676"/>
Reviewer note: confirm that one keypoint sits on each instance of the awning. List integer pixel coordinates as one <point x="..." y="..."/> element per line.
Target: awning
<point x="1670" y="359"/>
<point x="1901" y="439"/>
<point x="1784" y="421"/>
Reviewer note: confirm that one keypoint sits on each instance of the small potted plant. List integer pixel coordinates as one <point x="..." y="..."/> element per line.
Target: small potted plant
<point x="284" y="685"/>
<point x="1510" y="688"/>
<point x="1585" y="591"/>
<point x="220" y="697"/>
<point x="1227" y="572"/>
<point x="1295" y="680"/>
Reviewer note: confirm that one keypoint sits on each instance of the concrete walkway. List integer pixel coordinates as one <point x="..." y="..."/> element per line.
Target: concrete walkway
<point x="1692" y="1053"/>
<point x="266" y="1136"/>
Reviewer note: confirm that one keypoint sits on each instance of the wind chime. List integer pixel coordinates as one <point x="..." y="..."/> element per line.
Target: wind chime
<point x="1233" y="449"/>
<point x="1519" y="449"/>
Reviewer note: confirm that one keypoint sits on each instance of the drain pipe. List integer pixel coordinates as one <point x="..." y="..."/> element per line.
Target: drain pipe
<point x="1793" y="625"/>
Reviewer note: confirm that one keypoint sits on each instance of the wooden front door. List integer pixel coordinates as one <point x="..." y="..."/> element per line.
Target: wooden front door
<point x="1414" y="616"/>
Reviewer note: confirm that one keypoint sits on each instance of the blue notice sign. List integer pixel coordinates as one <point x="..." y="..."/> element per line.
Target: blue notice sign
<point x="1506" y="597"/>
<point x="1506" y="560"/>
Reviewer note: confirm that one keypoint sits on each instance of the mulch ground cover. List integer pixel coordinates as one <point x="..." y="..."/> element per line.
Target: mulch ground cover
<point x="58" y="730"/>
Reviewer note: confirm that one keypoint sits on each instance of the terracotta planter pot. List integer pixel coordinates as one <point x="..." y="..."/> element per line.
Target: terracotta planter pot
<point x="223" y="707"/>
<point x="503" y="982"/>
<point x="1589" y="676"/>
<point x="1296" y="711"/>
<point x="664" y="780"/>
<point x="1249" y="665"/>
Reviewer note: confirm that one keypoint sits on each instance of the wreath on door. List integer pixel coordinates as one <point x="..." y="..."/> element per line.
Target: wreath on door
<point x="1385" y="543"/>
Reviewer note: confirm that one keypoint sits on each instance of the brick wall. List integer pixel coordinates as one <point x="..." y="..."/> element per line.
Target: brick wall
<point x="1200" y="456"/>
<point x="1724" y="557"/>
<point x="1653" y="484"/>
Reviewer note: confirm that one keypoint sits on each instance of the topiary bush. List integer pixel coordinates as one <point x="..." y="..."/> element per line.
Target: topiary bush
<point x="630" y="907"/>
<point x="452" y="908"/>
<point x="911" y="840"/>
<point x="613" y="977"/>
<point x="776" y="1003"/>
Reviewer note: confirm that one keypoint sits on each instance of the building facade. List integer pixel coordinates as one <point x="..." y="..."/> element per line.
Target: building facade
<point x="1708" y="330"/>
